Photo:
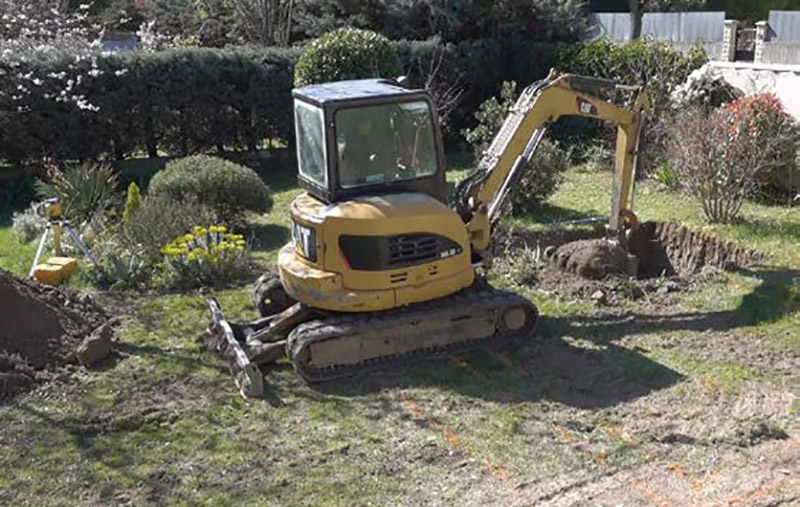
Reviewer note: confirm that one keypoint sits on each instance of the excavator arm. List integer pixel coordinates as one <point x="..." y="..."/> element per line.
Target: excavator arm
<point x="480" y="198"/>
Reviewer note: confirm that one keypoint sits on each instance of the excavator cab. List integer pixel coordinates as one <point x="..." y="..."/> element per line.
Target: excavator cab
<point x="367" y="137"/>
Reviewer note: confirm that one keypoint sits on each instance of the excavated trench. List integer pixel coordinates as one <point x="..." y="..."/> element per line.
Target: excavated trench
<point x="661" y="249"/>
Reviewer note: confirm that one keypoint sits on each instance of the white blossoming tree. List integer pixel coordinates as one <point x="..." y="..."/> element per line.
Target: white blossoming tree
<point x="34" y="34"/>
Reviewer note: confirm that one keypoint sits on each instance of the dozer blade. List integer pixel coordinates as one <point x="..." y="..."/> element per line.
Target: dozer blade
<point x="252" y="344"/>
<point x="247" y="376"/>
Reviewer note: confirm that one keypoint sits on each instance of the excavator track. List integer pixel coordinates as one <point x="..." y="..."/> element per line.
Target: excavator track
<point x="347" y="344"/>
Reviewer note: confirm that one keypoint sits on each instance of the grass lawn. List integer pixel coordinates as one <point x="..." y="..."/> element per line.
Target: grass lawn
<point x="688" y="404"/>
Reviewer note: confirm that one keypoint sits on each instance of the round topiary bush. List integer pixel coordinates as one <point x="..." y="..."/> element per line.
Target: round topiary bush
<point x="228" y="188"/>
<point x="346" y="53"/>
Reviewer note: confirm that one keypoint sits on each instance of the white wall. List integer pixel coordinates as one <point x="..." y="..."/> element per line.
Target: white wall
<point x="781" y="52"/>
<point x="751" y="78"/>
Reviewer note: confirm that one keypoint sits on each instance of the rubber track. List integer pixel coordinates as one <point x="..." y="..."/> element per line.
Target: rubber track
<point x="347" y="325"/>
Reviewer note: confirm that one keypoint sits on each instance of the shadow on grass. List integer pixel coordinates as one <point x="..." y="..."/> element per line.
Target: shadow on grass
<point x="594" y="374"/>
<point x="543" y="367"/>
<point x="549" y="214"/>
<point x="267" y="237"/>
<point x="776" y="296"/>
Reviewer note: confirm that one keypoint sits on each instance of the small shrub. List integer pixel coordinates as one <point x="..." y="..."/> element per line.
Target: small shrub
<point x="490" y="116"/>
<point x="86" y="190"/>
<point x="519" y="266"/>
<point x="132" y="203"/>
<point x="598" y="157"/>
<point x="705" y="87"/>
<point x="159" y="220"/>
<point x="204" y="257"/>
<point x="120" y="270"/>
<point x="667" y="175"/>
<point x="226" y="187"/>
<point x="540" y="179"/>
<point x="28" y="224"/>
<point x="347" y="53"/>
<point x="722" y="155"/>
<point x="542" y="176"/>
<point x="762" y="118"/>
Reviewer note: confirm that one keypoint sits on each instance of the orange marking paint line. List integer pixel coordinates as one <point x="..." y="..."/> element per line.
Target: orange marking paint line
<point x="451" y="438"/>
<point x="472" y="371"/>
<point x="568" y="437"/>
<point x="678" y="469"/>
<point x="615" y="432"/>
<point x="791" y="444"/>
<point x="503" y="359"/>
<point x="564" y="434"/>
<point x="700" y="483"/>
<point x="747" y="499"/>
<point x="709" y="478"/>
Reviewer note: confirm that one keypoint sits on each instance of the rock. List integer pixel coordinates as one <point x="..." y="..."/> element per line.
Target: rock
<point x="96" y="346"/>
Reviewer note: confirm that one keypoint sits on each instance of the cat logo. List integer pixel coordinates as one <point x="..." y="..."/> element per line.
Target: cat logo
<point x="586" y="107"/>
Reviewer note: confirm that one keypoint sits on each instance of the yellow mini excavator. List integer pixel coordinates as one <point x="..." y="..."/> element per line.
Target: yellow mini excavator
<point x="380" y="268"/>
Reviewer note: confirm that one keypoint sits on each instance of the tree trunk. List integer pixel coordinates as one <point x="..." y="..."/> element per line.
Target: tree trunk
<point x="636" y="8"/>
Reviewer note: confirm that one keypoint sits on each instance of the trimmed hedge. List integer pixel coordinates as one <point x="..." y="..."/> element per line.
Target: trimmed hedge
<point x="347" y="53"/>
<point x="195" y="100"/>
<point x="175" y="102"/>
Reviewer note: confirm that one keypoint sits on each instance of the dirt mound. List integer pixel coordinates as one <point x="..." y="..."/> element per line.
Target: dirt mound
<point x="42" y="327"/>
<point x="592" y="258"/>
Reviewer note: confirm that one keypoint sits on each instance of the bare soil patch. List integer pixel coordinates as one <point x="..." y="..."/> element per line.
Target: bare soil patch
<point x="586" y="266"/>
<point x="43" y="327"/>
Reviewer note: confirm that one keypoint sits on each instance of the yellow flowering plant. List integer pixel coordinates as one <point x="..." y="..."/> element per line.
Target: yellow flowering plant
<point x="204" y="256"/>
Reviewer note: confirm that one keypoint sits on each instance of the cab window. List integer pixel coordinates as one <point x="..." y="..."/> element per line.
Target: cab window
<point x="310" y="129"/>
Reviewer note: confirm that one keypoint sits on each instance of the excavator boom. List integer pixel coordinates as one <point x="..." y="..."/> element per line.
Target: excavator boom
<point x="480" y="198"/>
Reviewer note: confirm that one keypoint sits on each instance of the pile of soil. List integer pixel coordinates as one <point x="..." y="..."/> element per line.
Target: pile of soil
<point x="43" y="328"/>
<point x="592" y="258"/>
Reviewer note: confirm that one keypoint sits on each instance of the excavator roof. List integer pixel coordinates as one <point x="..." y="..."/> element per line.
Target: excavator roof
<point x="351" y="90"/>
